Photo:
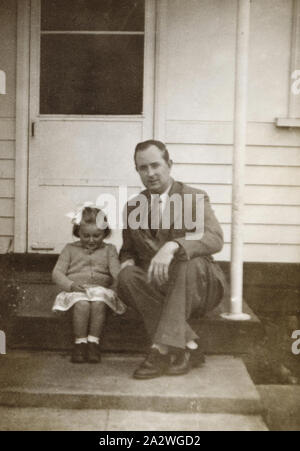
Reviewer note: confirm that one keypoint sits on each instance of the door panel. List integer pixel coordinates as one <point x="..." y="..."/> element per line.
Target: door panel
<point x="77" y="150"/>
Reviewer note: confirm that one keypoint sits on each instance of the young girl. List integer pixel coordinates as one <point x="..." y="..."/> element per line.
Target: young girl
<point x="86" y="271"/>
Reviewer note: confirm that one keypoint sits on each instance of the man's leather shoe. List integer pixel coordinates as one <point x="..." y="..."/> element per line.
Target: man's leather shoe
<point x="197" y="357"/>
<point x="155" y="365"/>
<point x="184" y="360"/>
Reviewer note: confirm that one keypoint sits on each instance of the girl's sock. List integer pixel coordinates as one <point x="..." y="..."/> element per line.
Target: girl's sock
<point x="92" y="339"/>
<point x="81" y="340"/>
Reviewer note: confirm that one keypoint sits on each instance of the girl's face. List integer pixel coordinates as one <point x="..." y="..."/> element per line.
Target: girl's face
<point x="90" y="236"/>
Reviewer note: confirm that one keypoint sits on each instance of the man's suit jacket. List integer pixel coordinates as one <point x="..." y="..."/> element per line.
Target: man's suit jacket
<point x="141" y="246"/>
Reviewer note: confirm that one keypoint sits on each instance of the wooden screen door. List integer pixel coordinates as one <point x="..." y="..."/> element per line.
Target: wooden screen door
<point x="91" y="101"/>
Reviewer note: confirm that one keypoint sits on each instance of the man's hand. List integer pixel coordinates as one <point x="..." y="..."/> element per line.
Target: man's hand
<point x="129" y="262"/>
<point x="159" y="267"/>
<point x="77" y="287"/>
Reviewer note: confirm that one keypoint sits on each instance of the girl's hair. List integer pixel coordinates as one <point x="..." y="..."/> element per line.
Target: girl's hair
<point x="89" y="216"/>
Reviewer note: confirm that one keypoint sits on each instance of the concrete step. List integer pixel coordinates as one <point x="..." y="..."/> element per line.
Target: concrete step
<point x="36" y="326"/>
<point x="47" y="379"/>
<point x="45" y="419"/>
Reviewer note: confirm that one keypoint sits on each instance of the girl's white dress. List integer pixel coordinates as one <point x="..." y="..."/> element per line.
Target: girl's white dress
<point x="64" y="300"/>
<point x="96" y="271"/>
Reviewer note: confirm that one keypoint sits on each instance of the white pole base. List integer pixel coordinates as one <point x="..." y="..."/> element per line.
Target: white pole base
<point x="236" y="316"/>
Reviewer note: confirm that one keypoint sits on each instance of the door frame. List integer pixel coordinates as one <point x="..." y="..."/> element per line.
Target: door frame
<point x="153" y="54"/>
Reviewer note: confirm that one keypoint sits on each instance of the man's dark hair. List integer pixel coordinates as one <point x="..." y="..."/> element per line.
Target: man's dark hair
<point x="89" y="216"/>
<point x="152" y="142"/>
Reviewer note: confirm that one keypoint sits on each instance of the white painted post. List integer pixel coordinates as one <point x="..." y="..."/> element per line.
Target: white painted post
<point x="238" y="164"/>
<point x="22" y="121"/>
<point x="161" y="58"/>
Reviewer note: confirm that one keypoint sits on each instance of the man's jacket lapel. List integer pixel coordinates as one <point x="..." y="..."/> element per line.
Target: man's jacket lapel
<point x="168" y="217"/>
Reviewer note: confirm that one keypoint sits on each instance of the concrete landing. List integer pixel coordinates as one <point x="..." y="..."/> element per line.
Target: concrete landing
<point x="45" y="379"/>
<point x="42" y="419"/>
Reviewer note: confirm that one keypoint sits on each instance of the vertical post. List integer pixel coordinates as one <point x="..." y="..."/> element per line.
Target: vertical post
<point x="238" y="166"/>
<point x="161" y="61"/>
<point x="294" y="99"/>
<point x="22" y="120"/>
<point x="149" y="69"/>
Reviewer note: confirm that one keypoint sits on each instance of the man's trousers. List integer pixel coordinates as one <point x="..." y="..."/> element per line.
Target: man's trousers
<point x="194" y="287"/>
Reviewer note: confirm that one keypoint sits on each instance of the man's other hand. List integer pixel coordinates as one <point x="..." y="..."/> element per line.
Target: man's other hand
<point x="159" y="267"/>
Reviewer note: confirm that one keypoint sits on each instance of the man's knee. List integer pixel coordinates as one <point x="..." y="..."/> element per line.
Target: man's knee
<point x="128" y="275"/>
<point x="131" y="280"/>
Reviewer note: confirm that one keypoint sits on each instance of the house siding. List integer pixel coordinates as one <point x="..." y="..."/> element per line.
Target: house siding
<point x="198" y="119"/>
<point x="8" y="33"/>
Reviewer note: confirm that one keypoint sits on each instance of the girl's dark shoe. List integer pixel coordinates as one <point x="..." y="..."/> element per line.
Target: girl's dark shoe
<point x="93" y="353"/>
<point x="184" y="360"/>
<point x="79" y="353"/>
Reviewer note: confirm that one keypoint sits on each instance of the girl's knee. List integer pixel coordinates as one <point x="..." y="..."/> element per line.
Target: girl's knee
<point x="98" y="307"/>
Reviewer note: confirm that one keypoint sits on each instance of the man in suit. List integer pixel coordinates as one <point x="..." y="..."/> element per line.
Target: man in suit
<point x="168" y="271"/>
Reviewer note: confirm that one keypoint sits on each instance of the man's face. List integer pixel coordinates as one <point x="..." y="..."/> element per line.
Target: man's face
<point x="153" y="169"/>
